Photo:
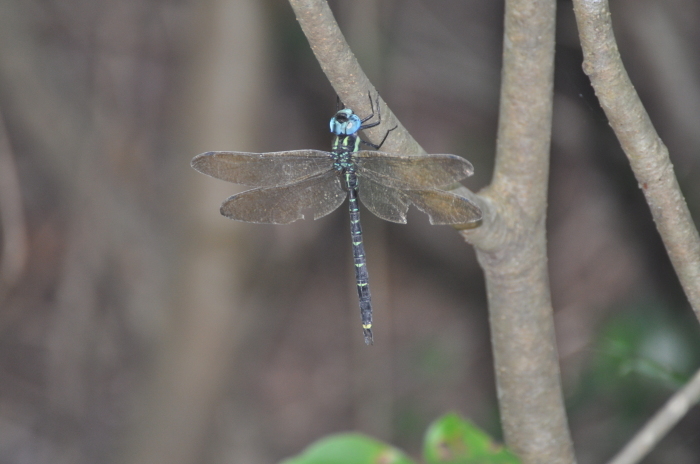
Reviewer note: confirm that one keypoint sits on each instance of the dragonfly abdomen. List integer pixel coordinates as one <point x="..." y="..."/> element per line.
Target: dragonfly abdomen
<point x="358" y="252"/>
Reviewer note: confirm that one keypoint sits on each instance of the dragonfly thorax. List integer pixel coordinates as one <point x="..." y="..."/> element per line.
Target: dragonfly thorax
<point x="343" y="149"/>
<point x="345" y="122"/>
<point x="345" y="163"/>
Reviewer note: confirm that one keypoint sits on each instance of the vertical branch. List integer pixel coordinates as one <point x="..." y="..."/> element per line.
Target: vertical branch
<point x="511" y="246"/>
<point x="647" y="154"/>
<point x="650" y="162"/>
<point x="195" y="362"/>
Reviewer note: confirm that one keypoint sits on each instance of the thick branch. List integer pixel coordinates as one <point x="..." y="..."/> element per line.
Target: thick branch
<point x="659" y="425"/>
<point x="647" y="154"/>
<point x="515" y="263"/>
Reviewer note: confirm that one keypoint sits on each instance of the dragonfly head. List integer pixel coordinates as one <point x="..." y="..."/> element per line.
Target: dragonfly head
<point x="345" y="122"/>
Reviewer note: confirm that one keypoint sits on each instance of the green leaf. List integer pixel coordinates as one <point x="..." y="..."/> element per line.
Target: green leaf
<point x="350" y="448"/>
<point x="453" y="440"/>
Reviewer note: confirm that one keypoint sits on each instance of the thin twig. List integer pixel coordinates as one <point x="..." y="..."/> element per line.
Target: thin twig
<point x="659" y="425"/>
<point x="646" y="152"/>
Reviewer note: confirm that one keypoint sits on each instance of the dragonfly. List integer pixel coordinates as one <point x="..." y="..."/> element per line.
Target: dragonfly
<point x="288" y="183"/>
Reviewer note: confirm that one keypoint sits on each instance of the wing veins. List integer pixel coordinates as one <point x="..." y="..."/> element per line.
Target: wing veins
<point x="263" y="169"/>
<point x="413" y="172"/>
<point x="323" y="193"/>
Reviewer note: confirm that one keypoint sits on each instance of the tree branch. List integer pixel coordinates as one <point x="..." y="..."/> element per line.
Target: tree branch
<point x="647" y="154"/>
<point x="514" y="259"/>
<point x="659" y="425"/>
<point x="345" y="74"/>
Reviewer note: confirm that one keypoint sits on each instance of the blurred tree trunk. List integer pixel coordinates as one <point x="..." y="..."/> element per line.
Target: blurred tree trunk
<point x="194" y="364"/>
<point x="97" y="277"/>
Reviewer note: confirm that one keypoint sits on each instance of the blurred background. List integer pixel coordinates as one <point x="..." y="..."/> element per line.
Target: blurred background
<point x="140" y="326"/>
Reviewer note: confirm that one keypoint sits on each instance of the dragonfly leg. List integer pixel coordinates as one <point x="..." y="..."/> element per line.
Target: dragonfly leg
<point x="338" y="104"/>
<point x="377" y="147"/>
<point x="371" y="106"/>
<point x="379" y="121"/>
<point x="379" y="114"/>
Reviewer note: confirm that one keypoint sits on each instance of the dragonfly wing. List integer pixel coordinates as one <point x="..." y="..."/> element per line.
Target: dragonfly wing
<point x="281" y="205"/>
<point x="263" y="169"/>
<point x="391" y="203"/>
<point x="420" y="171"/>
<point x="388" y="203"/>
<point x="444" y="207"/>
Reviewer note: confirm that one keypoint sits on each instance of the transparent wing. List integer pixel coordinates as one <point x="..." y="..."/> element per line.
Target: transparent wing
<point x="391" y="204"/>
<point x="420" y="171"/>
<point x="388" y="203"/>
<point x="263" y="169"/>
<point x="281" y="205"/>
<point x="444" y="207"/>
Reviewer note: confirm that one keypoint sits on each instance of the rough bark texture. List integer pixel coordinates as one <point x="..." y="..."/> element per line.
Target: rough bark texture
<point x="647" y="154"/>
<point x="512" y="247"/>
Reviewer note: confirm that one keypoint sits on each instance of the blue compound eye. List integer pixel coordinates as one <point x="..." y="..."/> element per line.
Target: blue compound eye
<point x="345" y="122"/>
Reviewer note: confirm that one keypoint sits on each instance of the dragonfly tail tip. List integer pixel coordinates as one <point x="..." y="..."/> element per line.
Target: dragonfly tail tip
<point x="369" y="339"/>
